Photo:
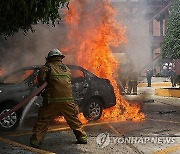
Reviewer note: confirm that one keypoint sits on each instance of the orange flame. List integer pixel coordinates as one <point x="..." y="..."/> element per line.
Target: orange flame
<point x="2" y="72"/>
<point x="92" y="30"/>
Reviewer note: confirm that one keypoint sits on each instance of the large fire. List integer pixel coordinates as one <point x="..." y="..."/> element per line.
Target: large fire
<point x="92" y="31"/>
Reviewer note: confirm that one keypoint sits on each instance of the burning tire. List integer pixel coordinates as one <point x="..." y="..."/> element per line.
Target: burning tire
<point x="93" y="110"/>
<point x="11" y="121"/>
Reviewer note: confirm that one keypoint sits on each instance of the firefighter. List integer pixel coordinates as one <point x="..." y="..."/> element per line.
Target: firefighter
<point x="57" y="99"/>
<point x="132" y="83"/>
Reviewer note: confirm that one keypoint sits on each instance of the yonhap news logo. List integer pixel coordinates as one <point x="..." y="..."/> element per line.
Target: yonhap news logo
<point x="105" y="139"/>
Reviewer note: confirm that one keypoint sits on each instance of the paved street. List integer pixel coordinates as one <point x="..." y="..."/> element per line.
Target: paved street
<point x="118" y="60"/>
<point x="162" y="124"/>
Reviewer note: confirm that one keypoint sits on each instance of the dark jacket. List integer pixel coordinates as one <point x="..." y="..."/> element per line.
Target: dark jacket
<point x="149" y="73"/>
<point x="171" y="73"/>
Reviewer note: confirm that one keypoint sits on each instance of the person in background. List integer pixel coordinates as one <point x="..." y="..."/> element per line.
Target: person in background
<point x="149" y="74"/>
<point x="165" y="70"/>
<point x="132" y="81"/>
<point x="172" y="75"/>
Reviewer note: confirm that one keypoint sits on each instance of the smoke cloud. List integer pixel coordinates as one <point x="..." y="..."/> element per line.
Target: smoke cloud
<point x="138" y="48"/>
<point x="20" y="50"/>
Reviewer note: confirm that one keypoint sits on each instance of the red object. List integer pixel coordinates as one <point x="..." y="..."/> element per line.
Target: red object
<point x="24" y="102"/>
<point x="177" y="66"/>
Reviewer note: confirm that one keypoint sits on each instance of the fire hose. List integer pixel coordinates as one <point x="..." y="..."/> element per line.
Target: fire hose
<point x="24" y="102"/>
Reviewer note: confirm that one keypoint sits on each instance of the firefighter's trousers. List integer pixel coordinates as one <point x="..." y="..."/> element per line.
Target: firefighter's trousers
<point x="47" y="112"/>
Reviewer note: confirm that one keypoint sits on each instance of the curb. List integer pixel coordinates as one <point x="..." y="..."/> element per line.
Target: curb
<point x="158" y="84"/>
<point x="168" y="92"/>
<point x="24" y="147"/>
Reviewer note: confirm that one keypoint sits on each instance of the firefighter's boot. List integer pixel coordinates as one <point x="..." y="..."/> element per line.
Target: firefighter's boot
<point x="81" y="136"/>
<point x="82" y="140"/>
<point x="34" y="142"/>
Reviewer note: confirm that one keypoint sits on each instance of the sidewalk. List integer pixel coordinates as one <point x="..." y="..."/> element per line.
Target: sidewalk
<point x="156" y="82"/>
<point x="161" y="87"/>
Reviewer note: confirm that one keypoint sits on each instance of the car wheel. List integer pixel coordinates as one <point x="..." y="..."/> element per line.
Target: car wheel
<point x="93" y="110"/>
<point x="11" y="121"/>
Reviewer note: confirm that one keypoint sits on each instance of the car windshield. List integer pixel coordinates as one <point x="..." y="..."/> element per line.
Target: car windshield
<point x="18" y="77"/>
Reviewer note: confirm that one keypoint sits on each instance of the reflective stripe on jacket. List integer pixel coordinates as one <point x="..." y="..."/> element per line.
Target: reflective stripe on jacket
<point x="58" y="77"/>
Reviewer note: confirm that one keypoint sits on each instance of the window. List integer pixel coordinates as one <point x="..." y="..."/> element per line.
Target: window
<point x="18" y="76"/>
<point x="77" y="76"/>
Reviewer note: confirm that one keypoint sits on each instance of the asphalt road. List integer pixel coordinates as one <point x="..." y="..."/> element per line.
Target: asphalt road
<point x="158" y="133"/>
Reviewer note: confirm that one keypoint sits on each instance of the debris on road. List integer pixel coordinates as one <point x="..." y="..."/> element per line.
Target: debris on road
<point x="167" y="112"/>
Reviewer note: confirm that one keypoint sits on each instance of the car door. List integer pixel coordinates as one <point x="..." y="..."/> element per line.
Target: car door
<point x="16" y="85"/>
<point x="79" y="84"/>
<point x="31" y="81"/>
<point x="32" y="85"/>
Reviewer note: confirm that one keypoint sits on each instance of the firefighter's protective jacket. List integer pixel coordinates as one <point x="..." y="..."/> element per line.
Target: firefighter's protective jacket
<point x="58" y="77"/>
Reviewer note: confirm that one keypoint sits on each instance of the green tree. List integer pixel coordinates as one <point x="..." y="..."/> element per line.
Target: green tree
<point x="18" y="15"/>
<point x="171" y="43"/>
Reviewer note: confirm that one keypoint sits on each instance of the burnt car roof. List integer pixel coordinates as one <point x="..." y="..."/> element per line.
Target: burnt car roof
<point x="39" y="66"/>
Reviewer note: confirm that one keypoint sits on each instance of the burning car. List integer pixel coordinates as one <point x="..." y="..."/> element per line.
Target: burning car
<point x="91" y="93"/>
